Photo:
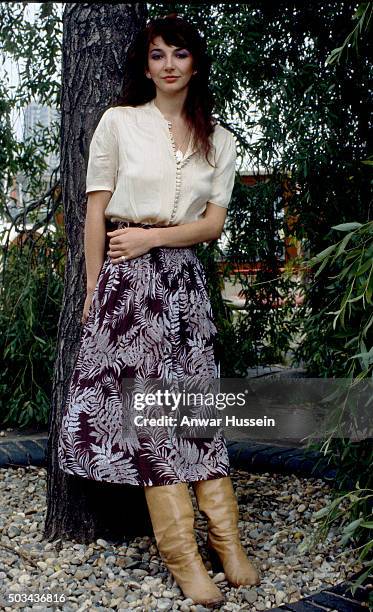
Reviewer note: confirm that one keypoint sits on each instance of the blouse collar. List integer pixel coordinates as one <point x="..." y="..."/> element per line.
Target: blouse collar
<point x="153" y="107"/>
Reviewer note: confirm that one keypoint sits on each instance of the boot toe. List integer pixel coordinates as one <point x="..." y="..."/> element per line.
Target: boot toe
<point x="244" y="574"/>
<point x="247" y="579"/>
<point x="215" y="603"/>
<point x="234" y="563"/>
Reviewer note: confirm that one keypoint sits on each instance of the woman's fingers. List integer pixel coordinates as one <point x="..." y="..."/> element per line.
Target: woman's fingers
<point x="86" y="307"/>
<point x="118" y="253"/>
<point x="119" y="259"/>
<point x="117" y="232"/>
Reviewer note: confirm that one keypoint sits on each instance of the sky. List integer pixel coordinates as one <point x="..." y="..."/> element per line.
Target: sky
<point x="11" y="69"/>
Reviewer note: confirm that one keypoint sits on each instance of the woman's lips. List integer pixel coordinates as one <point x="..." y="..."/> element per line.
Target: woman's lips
<point x="170" y="78"/>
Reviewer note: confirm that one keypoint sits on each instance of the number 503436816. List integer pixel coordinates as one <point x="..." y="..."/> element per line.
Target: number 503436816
<point x="46" y="597"/>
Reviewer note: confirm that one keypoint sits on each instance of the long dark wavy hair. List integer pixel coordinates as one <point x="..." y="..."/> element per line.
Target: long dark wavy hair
<point x="137" y="89"/>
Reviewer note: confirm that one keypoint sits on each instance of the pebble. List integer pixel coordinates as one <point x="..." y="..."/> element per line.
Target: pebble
<point x="276" y="527"/>
<point x="164" y="604"/>
<point x="250" y="596"/>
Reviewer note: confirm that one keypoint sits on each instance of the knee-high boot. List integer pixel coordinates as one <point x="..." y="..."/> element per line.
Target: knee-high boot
<point x="217" y="500"/>
<point x="172" y="516"/>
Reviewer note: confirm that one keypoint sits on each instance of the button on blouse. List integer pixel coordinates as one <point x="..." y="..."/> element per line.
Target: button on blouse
<point x="132" y="154"/>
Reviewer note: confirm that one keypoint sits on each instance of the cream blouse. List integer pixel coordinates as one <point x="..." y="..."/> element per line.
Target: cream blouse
<point x="133" y="154"/>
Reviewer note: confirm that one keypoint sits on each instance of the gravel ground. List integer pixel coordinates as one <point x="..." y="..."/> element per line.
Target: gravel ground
<point x="276" y="513"/>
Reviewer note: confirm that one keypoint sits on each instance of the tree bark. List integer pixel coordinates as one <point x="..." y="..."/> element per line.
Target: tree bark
<point x="96" y="38"/>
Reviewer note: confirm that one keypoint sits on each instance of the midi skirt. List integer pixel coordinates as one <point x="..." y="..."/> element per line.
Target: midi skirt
<point x="150" y="321"/>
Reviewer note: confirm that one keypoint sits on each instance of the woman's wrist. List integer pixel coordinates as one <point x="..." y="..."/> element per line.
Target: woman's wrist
<point x="155" y="233"/>
<point x="183" y="235"/>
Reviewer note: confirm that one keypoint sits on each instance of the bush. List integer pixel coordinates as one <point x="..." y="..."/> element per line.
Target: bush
<point x="30" y="303"/>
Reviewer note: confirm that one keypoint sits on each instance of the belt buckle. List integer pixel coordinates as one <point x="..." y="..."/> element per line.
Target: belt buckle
<point x="117" y="220"/>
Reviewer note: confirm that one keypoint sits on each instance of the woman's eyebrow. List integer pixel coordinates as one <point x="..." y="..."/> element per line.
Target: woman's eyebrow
<point x="177" y="49"/>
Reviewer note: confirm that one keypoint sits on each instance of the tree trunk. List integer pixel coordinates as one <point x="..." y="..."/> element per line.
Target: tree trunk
<point x="95" y="42"/>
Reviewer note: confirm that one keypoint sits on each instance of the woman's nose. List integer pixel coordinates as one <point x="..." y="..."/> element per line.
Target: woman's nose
<point x="169" y="62"/>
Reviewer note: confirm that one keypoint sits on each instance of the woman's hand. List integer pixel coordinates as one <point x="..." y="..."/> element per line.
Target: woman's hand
<point x="87" y="304"/>
<point x="129" y="241"/>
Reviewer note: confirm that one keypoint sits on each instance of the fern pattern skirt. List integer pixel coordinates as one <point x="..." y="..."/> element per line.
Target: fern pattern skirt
<point x="150" y="318"/>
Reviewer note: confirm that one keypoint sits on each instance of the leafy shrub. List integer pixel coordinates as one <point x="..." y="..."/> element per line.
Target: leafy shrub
<point x="347" y="322"/>
<point x="30" y="303"/>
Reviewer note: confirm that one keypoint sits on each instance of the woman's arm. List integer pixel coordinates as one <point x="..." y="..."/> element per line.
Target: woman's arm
<point x="94" y="235"/>
<point x="133" y="241"/>
<point x="208" y="228"/>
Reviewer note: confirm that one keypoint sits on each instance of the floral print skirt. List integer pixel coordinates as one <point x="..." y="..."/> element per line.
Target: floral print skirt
<point x="150" y="320"/>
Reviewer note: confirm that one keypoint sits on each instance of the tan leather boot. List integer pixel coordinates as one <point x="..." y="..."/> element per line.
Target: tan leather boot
<point x="217" y="500"/>
<point x="172" y="516"/>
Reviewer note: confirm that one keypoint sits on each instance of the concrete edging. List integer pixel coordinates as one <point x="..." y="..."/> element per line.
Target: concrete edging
<point x="23" y="452"/>
<point x="259" y="457"/>
<point x="248" y="455"/>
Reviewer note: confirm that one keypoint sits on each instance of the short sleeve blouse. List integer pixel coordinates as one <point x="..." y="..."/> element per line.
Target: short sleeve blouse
<point x="132" y="154"/>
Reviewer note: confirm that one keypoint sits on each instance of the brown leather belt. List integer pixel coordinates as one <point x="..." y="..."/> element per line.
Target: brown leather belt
<point x="113" y="224"/>
<point x="110" y="226"/>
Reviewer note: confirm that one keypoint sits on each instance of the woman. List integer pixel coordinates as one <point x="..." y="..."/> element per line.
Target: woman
<point x="147" y="316"/>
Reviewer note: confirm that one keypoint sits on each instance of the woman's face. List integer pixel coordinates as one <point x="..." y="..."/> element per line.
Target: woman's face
<point x="164" y="61"/>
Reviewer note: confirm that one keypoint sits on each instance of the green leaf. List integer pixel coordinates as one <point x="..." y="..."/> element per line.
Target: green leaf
<point x="347" y="536"/>
<point x="320" y="513"/>
<point x="364" y="267"/>
<point x="343" y="244"/>
<point x="323" y="253"/>
<point x="333" y="56"/>
<point x="367" y="326"/>
<point x="361" y="579"/>
<point x="356" y="298"/>
<point x="346" y="227"/>
<point x="363" y="554"/>
<point x="353" y="525"/>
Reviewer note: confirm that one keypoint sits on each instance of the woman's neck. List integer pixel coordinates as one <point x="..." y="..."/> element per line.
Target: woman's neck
<point x="171" y="107"/>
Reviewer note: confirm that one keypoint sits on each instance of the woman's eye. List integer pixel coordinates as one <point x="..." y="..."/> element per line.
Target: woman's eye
<point x="179" y="55"/>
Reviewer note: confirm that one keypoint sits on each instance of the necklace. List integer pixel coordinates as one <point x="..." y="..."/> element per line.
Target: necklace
<point x="179" y="154"/>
